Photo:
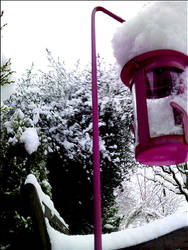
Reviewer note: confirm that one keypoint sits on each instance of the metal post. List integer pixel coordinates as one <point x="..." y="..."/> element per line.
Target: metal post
<point x="96" y="152"/>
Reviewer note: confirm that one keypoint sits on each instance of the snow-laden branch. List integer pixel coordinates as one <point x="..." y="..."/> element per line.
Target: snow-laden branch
<point x="174" y="178"/>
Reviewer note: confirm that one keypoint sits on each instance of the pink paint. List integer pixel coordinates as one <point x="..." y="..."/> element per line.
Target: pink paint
<point x="96" y="152"/>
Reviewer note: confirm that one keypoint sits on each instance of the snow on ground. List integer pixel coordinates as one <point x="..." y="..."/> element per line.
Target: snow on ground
<point x="161" y="25"/>
<point x="124" y="238"/>
<point x="30" y="139"/>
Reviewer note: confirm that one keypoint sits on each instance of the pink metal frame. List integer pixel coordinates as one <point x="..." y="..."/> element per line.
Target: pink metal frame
<point x="173" y="147"/>
<point x="96" y="151"/>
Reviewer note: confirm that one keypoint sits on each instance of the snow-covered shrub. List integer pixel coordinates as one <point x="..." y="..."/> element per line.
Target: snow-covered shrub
<point x="71" y="164"/>
<point x="22" y="152"/>
<point x="58" y="104"/>
<point x="23" y="146"/>
<point x="146" y="199"/>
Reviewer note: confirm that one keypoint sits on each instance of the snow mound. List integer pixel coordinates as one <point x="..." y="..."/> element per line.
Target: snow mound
<point x="111" y="241"/>
<point x="121" y="239"/>
<point x="161" y="25"/>
<point x="30" y="139"/>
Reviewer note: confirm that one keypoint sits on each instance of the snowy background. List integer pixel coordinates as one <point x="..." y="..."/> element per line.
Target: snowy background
<point x="44" y="120"/>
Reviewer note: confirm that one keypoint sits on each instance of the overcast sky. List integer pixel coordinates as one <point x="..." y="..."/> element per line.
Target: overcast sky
<point x="61" y="26"/>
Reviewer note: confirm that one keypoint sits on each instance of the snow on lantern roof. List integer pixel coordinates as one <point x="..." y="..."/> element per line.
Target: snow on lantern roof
<point x="161" y="25"/>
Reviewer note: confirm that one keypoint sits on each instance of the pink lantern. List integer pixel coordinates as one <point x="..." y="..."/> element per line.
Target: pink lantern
<point x="160" y="118"/>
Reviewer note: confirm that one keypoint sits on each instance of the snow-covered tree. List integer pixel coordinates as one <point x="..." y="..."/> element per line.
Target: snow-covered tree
<point x="58" y="104"/>
<point x="22" y="152"/>
<point x="23" y="149"/>
<point x="72" y="134"/>
<point x="144" y="200"/>
<point x="6" y="76"/>
<point x="175" y="178"/>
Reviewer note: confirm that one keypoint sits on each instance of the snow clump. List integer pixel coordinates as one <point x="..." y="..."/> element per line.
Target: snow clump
<point x="161" y="25"/>
<point x="30" y="139"/>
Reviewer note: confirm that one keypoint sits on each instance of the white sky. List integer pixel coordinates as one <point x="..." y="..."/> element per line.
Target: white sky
<point x="61" y="26"/>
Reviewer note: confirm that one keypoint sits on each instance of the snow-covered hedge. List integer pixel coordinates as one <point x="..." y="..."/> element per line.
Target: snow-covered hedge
<point x="54" y="112"/>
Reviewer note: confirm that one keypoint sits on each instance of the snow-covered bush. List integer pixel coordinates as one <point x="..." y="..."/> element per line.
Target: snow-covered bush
<point x="70" y="163"/>
<point x="146" y="199"/>
<point x="23" y="149"/>
<point x="24" y="144"/>
<point x="58" y="104"/>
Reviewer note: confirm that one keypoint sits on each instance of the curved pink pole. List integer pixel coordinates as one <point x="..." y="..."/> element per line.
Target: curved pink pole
<point x="96" y="152"/>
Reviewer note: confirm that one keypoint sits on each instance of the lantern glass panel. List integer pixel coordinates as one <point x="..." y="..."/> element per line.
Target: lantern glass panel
<point x="160" y="82"/>
<point x="163" y="86"/>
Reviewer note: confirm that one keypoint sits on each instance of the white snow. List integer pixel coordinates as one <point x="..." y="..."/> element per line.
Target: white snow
<point x="8" y="126"/>
<point x="108" y="226"/>
<point x="19" y="114"/>
<point x="111" y="241"/>
<point x="161" y="118"/>
<point x="30" y="139"/>
<point x="161" y="25"/>
<point x="44" y="198"/>
<point x="121" y="239"/>
<point x="13" y="140"/>
<point x="68" y="145"/>
<point x="36" y="115"/>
